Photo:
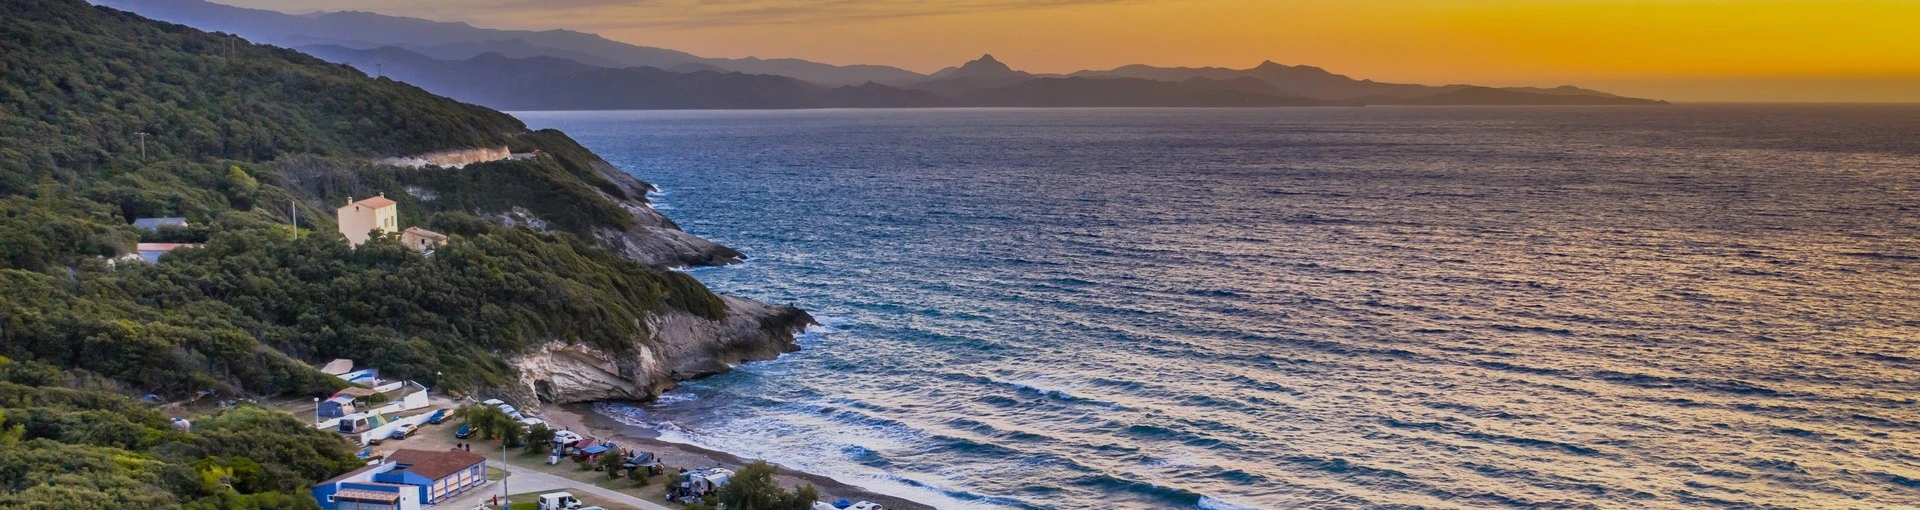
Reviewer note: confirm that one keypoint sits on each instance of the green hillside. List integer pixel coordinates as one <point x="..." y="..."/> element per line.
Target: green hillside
<point x="236" y="135"/>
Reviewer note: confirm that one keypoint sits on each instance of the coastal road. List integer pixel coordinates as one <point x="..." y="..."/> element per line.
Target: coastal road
<point x="522" y="480"/>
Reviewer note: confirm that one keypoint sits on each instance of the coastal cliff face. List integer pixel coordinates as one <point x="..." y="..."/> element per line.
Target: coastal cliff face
<point x="655" y="240"/>
<point x="682" y="347"/>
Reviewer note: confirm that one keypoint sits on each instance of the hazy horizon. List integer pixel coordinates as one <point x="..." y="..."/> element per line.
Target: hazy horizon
<point x="1687" y="50"/>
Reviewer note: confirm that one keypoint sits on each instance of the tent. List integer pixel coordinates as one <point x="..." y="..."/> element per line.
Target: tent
<point x="336" y="407"/>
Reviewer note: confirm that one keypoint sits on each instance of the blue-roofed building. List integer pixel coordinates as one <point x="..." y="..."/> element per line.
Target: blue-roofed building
<point x="357" y="490"/>
<point x="159" y="223"/>
<point x="405" y="480"/>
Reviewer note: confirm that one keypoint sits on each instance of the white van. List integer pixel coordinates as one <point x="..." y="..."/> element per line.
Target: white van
<point x="558" y="501"/>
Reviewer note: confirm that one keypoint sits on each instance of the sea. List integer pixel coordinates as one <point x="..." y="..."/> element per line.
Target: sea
<point x="1689" y="306"/>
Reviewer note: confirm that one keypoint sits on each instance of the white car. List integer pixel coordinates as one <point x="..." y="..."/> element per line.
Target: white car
<point x="493" y="402"/>
<point x="865" y="505"/>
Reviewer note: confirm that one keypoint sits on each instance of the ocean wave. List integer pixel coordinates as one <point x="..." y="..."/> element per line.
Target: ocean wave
<point x="1209" y="503"/>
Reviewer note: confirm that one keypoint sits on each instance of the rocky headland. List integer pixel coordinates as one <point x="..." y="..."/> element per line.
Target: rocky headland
<point x="682" y="345"/>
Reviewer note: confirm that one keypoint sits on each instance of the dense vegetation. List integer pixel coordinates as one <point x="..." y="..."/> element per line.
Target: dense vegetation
<point x="82" y="83"/>
<point x="67" y="442"/>
<point x="753" y="488"/>
<point x="238" y="135"/>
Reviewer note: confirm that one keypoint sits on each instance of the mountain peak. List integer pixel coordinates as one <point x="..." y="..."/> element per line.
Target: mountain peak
<point x="986" y="63"/>
<point x="986" y="67"/>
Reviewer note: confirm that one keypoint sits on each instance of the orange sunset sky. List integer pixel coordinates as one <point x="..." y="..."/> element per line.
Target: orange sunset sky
<point x="1689" y="50"/>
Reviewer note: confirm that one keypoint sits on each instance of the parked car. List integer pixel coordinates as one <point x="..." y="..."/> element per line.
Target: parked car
<point x="405" y="429"/>
<point x="465" y="431"/>
<point x="558" y="501"/>
<point x="438" y="417"/>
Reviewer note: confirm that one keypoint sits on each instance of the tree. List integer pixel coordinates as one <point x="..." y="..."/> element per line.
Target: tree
<point x="539" y="439"/>
<point x="488" y="421"/>
<point x="10" y="434"/>
<point x="753" y="488"/>
<point x="610" y="461"/>
<point x="242" y="189"/>
<point x="640" y="476"/>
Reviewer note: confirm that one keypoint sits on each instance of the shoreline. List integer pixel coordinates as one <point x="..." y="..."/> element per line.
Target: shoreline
<point x="581" y="418"/>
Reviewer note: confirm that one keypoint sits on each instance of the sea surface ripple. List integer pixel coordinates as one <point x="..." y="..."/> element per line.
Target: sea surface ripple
<point x="1697" y="306"/>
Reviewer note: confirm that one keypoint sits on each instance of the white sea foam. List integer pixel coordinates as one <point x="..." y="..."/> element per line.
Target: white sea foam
<point x="1208" y="503"/>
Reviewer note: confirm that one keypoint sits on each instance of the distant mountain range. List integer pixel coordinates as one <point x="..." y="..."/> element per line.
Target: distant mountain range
<point x="561" y="69"/>
<point x="549" y="83"/>
<point x="1318" y="83"/>
<point x="448" y="40"/>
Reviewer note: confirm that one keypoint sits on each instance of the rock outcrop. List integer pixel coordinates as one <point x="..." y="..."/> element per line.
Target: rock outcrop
<point x="655" y="240"/>
<point x="682" y="347"/>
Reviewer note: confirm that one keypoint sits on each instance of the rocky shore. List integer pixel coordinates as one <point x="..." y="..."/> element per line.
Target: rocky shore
<point x="683" y="347"/>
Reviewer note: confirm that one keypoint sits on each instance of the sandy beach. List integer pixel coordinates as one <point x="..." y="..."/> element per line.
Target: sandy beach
<point x="581" y="418"/>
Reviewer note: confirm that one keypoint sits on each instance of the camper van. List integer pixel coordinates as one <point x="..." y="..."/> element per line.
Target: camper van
<point x="558" y="501"/>
<point x="359" y="422"/>
<point x="699" y="483"/>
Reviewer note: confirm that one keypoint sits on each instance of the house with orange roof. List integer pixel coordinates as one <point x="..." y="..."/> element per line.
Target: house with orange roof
<point x="359" y="220"/>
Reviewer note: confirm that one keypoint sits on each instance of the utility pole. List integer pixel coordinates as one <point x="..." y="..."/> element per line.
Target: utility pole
<point x="143" y="145"/>
<point x="504" y="475"/>
<point x="379" y="70"/>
